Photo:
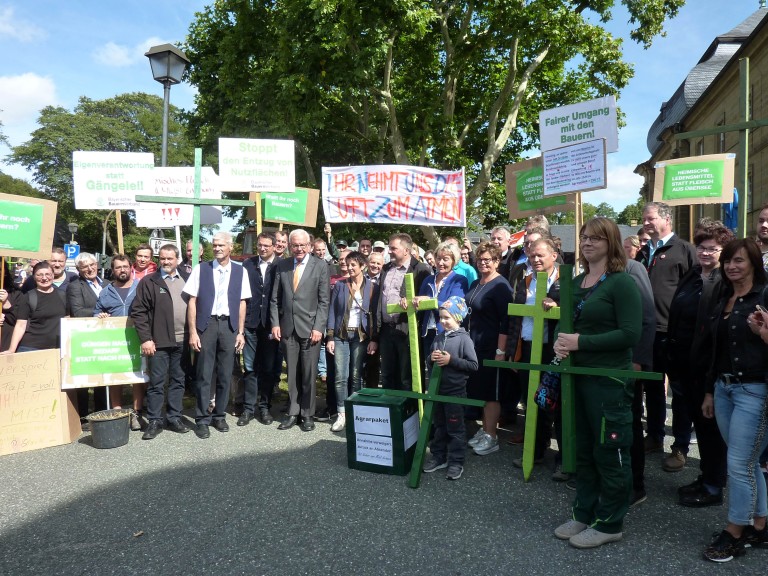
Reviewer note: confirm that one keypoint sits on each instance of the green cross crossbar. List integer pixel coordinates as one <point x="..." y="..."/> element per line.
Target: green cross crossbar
<point x="429" y="398"/>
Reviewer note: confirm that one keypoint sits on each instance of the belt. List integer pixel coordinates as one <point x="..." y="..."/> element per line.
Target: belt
<point x="742" y="378"/>
<point x="220" y="317"/>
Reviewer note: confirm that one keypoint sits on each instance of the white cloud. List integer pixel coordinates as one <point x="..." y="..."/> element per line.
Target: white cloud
<point x="120" y="56"/>
<point x="20" y="30"/>
<point x="23" y="96"/>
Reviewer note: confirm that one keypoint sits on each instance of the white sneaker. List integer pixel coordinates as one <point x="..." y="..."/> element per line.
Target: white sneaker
<point x="591" y="538"/>
<point x="476" y="438"/>
<point x="338" y="426"/>
<point x="487" y="445"/>
<point x="570" y="529"/>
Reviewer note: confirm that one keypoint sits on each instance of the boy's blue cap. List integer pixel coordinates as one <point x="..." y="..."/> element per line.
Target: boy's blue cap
<point x="456" y="307"/>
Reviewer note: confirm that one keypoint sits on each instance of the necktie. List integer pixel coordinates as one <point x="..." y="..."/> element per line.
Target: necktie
<point x="220" y="291"/>
<point x="660" y="244"/>
<point x="296" y="276"/>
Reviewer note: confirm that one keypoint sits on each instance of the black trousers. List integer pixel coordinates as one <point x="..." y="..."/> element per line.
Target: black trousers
<point x="217" y="353"/>
<point x="713" y="451"/>
<point x="544" y="419"/>
<point x="165" y="362"/>
<point x="259" y="356"/>
<point x="450" y="439"/>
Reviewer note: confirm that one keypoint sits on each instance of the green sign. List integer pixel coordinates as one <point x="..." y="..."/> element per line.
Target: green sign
<point x="285" y="207"/>
<point x="693" y="180"/>
<point x="530" y="191"/>
<point x="21" y="226"/>
<point x="108" y="351"/>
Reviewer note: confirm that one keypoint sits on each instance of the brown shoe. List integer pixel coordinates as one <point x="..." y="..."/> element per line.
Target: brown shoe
<point x="652" y="445"/>
<point x="674" y="462"/>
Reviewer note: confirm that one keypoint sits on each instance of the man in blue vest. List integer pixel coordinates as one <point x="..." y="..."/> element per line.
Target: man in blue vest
<point x="216" y="317"/>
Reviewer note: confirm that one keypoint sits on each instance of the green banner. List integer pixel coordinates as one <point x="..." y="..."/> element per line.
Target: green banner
<point x="21" y="226"/>
<point x="530" y="191"/>
<point x="284" y="207"/>
<point x="109" y="351"/>
<point x="693" y="180"/>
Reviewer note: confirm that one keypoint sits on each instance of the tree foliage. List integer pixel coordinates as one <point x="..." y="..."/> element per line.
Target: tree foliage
<point x="441" y="83"/>
<point x="124" y="123"/>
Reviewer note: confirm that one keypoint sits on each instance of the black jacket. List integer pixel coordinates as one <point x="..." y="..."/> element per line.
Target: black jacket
<point x="257" y="311"/>
<point x="81" y="299"/>
<point x="152" y="310"/>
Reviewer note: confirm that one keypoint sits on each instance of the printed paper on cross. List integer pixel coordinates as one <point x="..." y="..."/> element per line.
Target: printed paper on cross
<point x="196" y="202"/>
<point x="428" y="400"/>
<point x="413" y="331"/>
<point x="540" y="316"/>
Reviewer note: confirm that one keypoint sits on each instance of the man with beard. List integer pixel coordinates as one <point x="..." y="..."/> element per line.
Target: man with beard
<point x="61" y="278"/>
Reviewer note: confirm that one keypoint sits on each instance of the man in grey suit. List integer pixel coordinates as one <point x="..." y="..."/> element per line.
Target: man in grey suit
<point x="299" y="313"/>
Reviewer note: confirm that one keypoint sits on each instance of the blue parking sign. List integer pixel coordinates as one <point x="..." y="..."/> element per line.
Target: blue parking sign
<point x="71" y="250"/>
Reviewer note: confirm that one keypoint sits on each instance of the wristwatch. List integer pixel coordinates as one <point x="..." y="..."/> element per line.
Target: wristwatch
<point x="499" y="352"/>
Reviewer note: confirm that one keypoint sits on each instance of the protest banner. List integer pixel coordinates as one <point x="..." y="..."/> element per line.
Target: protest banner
<point x="525" y="191"/>
<point x="179" y="182"/>
<point x="34" y="412"/>
<point x="706" y="179"/>
<point x="394" y="195"/>
<point x="590" y="120"/>
<point x="575" y="168"/>
<point x="299" y="208"/>
<point x="248" y="165"/>
<point x="100" y="352"/>
<point x="26" y="226"/>
<point x="111" y="180"/>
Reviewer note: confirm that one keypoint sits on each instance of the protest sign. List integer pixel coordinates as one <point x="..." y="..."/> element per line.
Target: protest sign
<point x="34" y="412"/>
<point x="299" y="208"/>
<point x="704" y="179"/>
<point x="26" y="226"/>
<point x="575" y="168"/>
<point x="394" y="195"/>
<point x="100" y="352"/>
<point x="179" y="182"/>
<point x="525" y="191"/>
<point x="111" y="180"/>
<point x="590" y="120"/>
<point x="248" y="165"/>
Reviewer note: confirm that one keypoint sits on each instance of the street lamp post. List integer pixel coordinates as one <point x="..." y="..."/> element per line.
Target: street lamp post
<point x="168" y="64"/>
<point x="73" y="230"/>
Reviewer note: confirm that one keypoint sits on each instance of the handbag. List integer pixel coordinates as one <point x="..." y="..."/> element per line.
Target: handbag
<point x="547" y="396"/>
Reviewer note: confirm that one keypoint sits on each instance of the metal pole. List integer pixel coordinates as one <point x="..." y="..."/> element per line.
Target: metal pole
<point x="742" y="178"/>
<point x="164" y="157"/>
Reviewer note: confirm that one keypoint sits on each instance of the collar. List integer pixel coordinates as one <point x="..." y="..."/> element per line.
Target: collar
<point x="217" y="265"/>
<point x="165" y="274"/>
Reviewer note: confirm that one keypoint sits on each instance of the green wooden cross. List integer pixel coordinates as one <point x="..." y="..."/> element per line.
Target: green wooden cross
<point x="429" y="400"/>
<point x="567" y="372"/>
<point x="196" y="203"/>
<point x="539" y="315"/>
<point x="413" y="331"/>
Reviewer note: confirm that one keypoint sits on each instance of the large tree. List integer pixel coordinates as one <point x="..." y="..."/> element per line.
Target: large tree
<point x="124" y="123"/>
<point x="436" y="83"/>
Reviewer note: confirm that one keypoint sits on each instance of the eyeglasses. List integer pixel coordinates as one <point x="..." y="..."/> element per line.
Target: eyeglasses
<point x="591" y="239"/>
<point x="486" y="261"/>
<point x="708" y="249"/>
<point x="297" y="246"/>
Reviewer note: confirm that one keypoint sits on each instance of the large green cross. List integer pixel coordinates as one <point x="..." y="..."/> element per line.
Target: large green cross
<point x="413" y="331"/>
<point x="429" y="400"/>
<point x="196" y="203"/>
<point x="567" y="372"/>
<point x="539" y="315"/>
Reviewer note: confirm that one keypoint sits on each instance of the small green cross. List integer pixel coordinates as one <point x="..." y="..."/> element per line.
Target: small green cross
<point x="413" y="331"/>
<point x="429" y="400"/>
<point x="196" y="202"/>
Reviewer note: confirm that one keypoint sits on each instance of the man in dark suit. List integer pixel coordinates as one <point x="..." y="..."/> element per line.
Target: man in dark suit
<point x="299" y="314"/>
<point x="260" y="347"/>
<point x="216" y="317"/>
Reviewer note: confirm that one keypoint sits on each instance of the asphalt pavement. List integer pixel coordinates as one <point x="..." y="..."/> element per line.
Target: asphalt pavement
<point x="257" y="500"/>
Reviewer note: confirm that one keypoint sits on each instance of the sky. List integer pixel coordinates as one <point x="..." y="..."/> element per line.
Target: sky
<point x="57" y="51"/>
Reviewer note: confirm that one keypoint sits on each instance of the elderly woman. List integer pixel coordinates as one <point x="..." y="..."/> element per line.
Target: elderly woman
<point x="441" y="286"/>
<point x="737" y="395"/>
<point x="350" y="326"/>
<point x="687" y="330"/>
<point x="488" y="323"/>
<point x="607" y="325"/>
<point x="38" y="314"/>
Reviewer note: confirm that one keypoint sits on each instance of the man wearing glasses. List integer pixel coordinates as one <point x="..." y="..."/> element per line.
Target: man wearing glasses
<point x="298" y="314"/>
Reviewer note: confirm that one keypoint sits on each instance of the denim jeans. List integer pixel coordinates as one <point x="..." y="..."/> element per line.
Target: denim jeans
<point x="740" y="410"/>
<point x="321" y="366"/>
<point x="349" y="355"/>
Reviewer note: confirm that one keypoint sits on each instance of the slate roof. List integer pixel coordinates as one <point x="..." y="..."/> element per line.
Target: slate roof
<point x="715" y="58"/>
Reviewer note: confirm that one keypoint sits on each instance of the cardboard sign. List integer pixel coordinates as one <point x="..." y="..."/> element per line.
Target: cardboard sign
<point x="248" y="165"/>
<point x="180" y="182"/>
<point x="525" y="191"/>
<point x="299" y="208"/>
<point x="111" y="180"/>
<point x="26" y="226"/>
<point x="590" y="120"/>
<point x="707" y="179"/>
<point x="34" y="412"/>
<point x="100" y="352"/>
<point x="394" y="195"/>
<point x="576" y="168"/>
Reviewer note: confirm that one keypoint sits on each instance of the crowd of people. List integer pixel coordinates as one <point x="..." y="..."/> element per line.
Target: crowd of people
<point x="697" y="313"/>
